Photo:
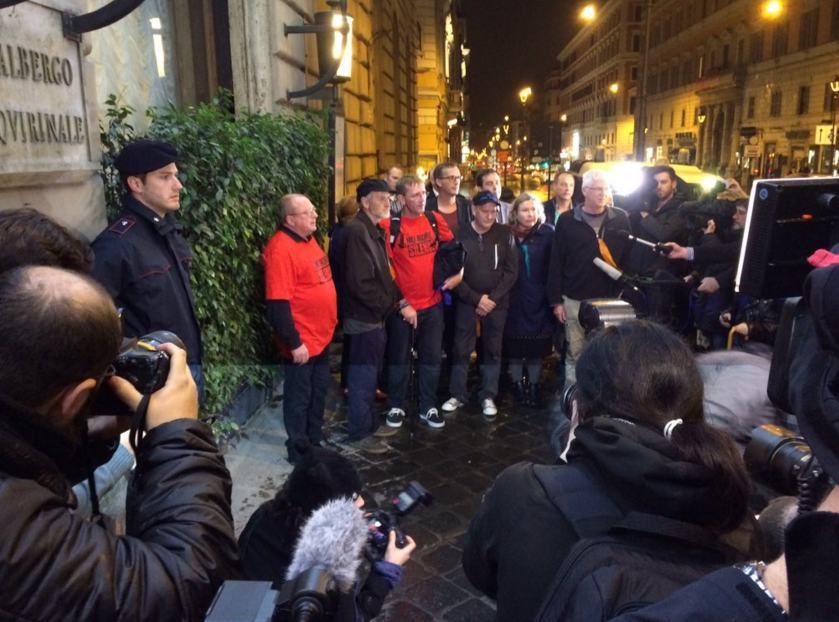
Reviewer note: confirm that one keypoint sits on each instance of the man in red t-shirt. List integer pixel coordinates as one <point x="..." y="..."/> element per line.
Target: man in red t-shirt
<point x="412" y="245"/>
<point x="302" y="309"/>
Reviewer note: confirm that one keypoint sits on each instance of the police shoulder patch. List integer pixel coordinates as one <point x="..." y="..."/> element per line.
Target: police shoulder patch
<point x="123" y="225"/>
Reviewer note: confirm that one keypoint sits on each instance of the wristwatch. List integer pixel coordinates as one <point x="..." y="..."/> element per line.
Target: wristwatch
<point x="754" y="570"/>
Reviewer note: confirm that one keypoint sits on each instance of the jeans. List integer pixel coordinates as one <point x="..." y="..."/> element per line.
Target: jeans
<point x="429" y="339"/>
<point x="197" y="372"/>
<point x="465" y="334"/>
<point x="305" y="389"/>
<point x="367" y="351"/>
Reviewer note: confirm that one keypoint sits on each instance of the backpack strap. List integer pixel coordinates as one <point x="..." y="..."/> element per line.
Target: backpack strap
<point x="432" y="220"/>
<point x="395" y="226"/>
<point x="579" y="495"/>
<point x="651" y="524"/>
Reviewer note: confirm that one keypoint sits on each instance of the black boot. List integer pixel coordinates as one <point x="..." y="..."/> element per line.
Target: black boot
<point x="535" y="398"/>
<point x="519" y="394"/>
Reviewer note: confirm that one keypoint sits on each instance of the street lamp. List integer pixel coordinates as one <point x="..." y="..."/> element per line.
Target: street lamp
<point x="614" y="88"/>
<point x="834" y="87"/>
<point x="588" y="13"/>
<point x="524" y="95"/>
<point x="772" y="8"/>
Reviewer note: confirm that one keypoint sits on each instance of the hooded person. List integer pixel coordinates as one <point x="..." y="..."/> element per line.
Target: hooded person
<point x="272" y="534"/>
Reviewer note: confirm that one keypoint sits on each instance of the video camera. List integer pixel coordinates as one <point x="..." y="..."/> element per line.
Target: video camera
<point x="140" y="363"/>
<point x="788" y="221"/>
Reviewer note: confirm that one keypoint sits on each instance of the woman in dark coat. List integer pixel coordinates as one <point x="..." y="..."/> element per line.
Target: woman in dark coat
<point x="642" y="442"/>
<point x="528" y="334"/>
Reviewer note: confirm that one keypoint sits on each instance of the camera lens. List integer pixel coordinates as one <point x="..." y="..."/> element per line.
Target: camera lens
<point x="780" y="453"/>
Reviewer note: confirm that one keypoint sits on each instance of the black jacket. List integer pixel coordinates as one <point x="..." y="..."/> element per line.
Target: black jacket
<point x="663" y="225"/>
<point x="518" y="539"/>
<point x="464" y="208"/>
<point x="178" y="548"/>
<point x="492" y="265"/>
<point x="370" y="292"/>
<point x="268" y="549"/>
<point x="143" y="261"/>
<point x="572" y="272"/>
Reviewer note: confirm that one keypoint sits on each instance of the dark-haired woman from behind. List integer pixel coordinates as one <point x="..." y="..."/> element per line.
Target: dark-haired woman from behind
<point x="641" y="441"/>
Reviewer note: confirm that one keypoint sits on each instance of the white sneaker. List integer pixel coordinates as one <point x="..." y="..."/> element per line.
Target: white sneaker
<point x="452" y="404"/>
<point x="488" y="407"/>
<point x="395" y="417"/>
<point x="433" y="418"/>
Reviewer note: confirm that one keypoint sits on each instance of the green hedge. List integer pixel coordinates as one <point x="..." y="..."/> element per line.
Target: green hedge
<point x="234" y="169"/>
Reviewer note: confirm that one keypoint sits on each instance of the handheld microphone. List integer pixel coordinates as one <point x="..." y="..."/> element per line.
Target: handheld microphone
<point x="657" y="247"/>
<point x="332" y="539"/>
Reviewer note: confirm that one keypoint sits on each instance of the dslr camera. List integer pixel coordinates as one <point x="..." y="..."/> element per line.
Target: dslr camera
<point x="140" y="363"/>
<point x="381" y="522"/>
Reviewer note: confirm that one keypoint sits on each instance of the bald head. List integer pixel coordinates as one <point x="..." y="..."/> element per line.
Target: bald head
<point x="57" y="328"/>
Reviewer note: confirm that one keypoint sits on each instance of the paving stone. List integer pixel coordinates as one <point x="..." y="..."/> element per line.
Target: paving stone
<point x="473" y="610"/>
<point x="443" y="559"/>
<point x="402" y="611"/>
<point x="435" y="594"/>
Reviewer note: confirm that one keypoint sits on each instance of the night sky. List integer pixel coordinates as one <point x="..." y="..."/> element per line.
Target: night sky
<point x="513" y="44"/>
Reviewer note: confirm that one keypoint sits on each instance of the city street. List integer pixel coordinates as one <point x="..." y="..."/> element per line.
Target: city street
<point x="456" y="464"/>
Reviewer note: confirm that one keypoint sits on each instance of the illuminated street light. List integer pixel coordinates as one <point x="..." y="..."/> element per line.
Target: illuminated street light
<point x="524" y="94"/>
<point x="834" y="87"/>
<point x="564" y="118"/>
<point x="772" y="8"/>
<point x="588" y="13"/>
<point x="614" y="88"/>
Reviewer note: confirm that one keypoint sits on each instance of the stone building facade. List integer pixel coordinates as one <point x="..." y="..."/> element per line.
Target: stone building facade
<point x="182" y="51"/>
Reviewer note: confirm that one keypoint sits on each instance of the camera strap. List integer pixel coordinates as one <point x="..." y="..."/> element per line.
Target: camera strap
<point x="138" y="423"/>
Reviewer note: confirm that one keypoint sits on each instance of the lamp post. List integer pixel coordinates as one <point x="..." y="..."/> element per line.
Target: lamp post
<point x="834" y="87"/>
<point x="639" y="146"/>
<point x="524" y="94"/>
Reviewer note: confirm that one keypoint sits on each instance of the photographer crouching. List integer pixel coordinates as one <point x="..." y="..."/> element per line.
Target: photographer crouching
<point x="59" y="333"/>
<point x="274" y="546"/>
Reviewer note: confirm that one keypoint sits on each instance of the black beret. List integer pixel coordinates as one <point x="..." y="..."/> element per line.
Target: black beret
<point x="485" y="196"/>
<point x="371" y="185"/>
<point x="144" y="156"/>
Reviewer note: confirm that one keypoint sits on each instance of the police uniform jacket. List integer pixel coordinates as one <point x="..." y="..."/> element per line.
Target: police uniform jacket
<point x="143" y="261"/>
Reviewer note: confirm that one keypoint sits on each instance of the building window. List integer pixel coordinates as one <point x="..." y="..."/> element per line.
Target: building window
<point x="687" y="71"/>
<point x="741" y="51"/>
<point x="750" y="113"/>
<point x="804" y="100"/>
<point x="684" y="117"/>
<point x="809" y="33"/>
<point x="834" y="21"/>
<point x="633" y="73"/>
<point x="775" y="106"/>
<point x="672" y="113"/>
<point x="726" y="56"/>
<point x="637" y="13"/>
<point x="780" y="39"/>
<point x="756" y="47"/>
<point x="701" y="66"/>
<point x="632" y="102"/>
<point x="636" y="42"/>
<point x="661" y="121"/>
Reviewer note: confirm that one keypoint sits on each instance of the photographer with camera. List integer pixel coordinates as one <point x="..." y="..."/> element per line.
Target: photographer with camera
<point x="59" y="332"/>
<point x="272" y="536"/>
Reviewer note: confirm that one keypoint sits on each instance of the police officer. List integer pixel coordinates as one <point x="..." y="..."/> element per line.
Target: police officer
<point x="142" y="259"/>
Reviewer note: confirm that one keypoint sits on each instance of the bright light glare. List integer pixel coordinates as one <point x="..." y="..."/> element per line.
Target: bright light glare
<point x="588" y="12"/>
<point x="708" y="183"/>
<point x="626" y="178"/>
<point x="773" y="8"/>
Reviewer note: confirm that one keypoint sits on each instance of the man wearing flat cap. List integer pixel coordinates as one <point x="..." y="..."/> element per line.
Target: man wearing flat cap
<point x="142" y="259"/>
<point x="371" y="294"/>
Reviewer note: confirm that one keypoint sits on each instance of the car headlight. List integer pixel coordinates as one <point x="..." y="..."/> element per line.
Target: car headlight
<point x="708" y="183"/>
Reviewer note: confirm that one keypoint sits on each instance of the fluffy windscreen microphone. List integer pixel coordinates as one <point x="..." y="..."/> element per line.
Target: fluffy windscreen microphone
<point x="333" y="539"/>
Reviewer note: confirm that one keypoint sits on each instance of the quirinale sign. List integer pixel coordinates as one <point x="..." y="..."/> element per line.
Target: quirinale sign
<point x="43" y="115"/>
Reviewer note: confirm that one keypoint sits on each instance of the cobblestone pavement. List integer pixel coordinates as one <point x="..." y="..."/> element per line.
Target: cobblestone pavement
<point x="456" y="464"/>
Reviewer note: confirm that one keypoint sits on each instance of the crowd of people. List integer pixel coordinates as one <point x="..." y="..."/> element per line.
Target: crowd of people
<point x="407" y="270"/>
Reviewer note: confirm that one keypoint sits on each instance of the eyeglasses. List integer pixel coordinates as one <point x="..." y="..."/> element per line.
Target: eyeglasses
<point x="598" y="189"/>
<point x="309" y="212"/>
<point x="452" y="178"/>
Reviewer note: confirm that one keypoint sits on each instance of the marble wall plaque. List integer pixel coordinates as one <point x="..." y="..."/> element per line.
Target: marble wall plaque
<point x="44" y="122"/>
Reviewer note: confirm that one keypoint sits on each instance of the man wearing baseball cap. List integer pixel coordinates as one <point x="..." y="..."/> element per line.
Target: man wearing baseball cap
<point x="142" y="259"/>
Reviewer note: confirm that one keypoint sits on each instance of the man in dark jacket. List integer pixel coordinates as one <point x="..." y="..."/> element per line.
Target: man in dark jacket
<point x="483" y="297"/>
<point x="371" y="295"/>
<point x="62" y="331"/>
<point x="586" y="232"/>
<point x="142" y="259"/>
